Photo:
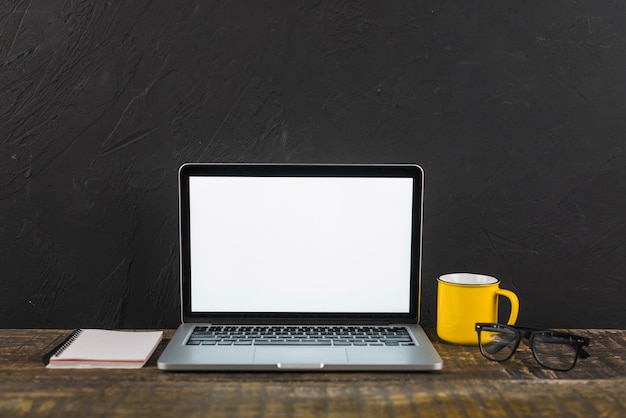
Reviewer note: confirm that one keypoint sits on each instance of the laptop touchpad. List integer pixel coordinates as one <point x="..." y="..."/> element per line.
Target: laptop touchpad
<point x="300" y="356"/>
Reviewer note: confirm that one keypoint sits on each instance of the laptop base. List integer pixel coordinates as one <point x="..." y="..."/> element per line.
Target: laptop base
<point x="181" y="357"/>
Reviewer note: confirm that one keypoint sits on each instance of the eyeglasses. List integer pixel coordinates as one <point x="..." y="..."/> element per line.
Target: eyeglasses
<point x="553" y="350"/>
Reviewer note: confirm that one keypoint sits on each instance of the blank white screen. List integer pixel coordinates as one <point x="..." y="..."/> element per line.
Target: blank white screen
<point x="300" y="244"/>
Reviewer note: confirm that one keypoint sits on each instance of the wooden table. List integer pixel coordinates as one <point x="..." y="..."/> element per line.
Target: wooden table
<point x="468" y="386"/>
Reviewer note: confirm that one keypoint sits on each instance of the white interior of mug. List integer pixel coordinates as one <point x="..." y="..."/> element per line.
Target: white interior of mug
<point x="468" y="278"/>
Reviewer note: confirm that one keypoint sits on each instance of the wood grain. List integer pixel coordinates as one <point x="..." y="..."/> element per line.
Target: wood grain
<point x="468" y="386"/>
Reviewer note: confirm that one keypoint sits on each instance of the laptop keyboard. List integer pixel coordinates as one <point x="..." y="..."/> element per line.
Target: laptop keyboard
<point x="301" y="335"/>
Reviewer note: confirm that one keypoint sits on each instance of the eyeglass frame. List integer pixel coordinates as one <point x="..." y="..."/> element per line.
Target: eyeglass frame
<point x="575" y="341"/>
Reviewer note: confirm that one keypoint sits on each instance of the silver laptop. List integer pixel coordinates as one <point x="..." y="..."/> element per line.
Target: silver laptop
<point x="300" y="267"/>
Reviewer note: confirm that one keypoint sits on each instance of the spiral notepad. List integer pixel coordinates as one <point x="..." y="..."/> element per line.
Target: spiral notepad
<point x="96" y="348"/>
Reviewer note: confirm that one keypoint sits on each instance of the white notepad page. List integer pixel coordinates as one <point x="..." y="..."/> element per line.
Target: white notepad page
<point x="95" y="347"/>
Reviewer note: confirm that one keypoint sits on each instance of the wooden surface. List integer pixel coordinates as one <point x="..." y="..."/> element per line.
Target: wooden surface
<point x="468" y="386"/>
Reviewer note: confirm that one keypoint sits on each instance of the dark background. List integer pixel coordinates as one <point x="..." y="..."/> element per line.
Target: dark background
<point x="516" y="111"/>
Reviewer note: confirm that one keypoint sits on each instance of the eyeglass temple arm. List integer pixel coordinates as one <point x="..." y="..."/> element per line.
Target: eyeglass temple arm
<point x="494" y="348"/>
<point x="582" y="353"/>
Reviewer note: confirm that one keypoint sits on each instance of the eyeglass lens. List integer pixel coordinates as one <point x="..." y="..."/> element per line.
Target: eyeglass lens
<point x="498" y="344"/>
<point x="554" y="351"/>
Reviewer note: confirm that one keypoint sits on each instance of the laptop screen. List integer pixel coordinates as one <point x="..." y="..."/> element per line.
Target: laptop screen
<point x="290" y="240"/>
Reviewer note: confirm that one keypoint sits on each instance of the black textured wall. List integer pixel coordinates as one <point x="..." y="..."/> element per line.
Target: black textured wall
<point x="516" y="110"/>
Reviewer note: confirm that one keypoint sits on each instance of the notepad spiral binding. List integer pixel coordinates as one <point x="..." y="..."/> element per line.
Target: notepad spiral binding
<point x="67" y="343"/>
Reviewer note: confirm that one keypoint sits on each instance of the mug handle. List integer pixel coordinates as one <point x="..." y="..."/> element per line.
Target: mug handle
<point x="514" y="304"/>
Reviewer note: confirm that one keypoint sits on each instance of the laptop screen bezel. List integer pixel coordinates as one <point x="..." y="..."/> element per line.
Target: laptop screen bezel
<point x="412" y="171"/>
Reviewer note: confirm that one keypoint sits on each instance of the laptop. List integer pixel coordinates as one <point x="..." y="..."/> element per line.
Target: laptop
<point x="300" y="267"/>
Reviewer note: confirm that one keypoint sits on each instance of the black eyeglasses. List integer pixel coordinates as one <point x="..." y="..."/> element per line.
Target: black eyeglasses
<point x="553" y="350"/>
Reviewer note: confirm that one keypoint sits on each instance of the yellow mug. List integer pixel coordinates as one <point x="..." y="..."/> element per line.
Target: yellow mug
<point x="466" y="298"/>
